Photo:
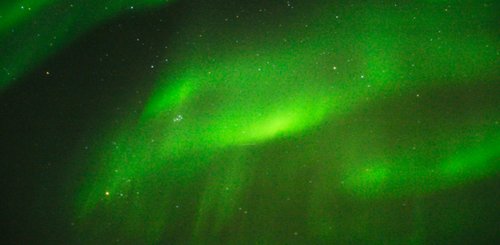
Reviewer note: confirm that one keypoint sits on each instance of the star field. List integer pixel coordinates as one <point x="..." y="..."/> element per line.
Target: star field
<point x="250" y="122"/>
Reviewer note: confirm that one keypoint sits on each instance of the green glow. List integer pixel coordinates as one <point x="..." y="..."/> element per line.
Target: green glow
<point x="406" y="177"/>
<point x="217" y="112"/>
<point x="32" y="30"/>
<point x="14" y="12"/>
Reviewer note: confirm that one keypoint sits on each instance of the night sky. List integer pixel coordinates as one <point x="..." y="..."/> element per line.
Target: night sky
<point x="250" y="122"/>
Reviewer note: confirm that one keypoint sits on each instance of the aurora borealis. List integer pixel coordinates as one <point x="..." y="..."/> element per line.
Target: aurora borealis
<point x="250" y="122"/>
<point x="31" y="30"/>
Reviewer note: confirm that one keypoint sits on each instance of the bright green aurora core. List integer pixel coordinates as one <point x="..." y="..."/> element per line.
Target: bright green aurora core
<point x="286" y="122"/>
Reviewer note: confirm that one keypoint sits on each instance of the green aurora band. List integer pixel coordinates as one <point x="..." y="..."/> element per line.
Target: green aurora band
<point x="323" y="95"/>
<point x="217" y="111"/>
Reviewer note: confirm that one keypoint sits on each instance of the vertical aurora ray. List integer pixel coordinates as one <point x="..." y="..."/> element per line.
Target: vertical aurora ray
<point x="220" y="116"/>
